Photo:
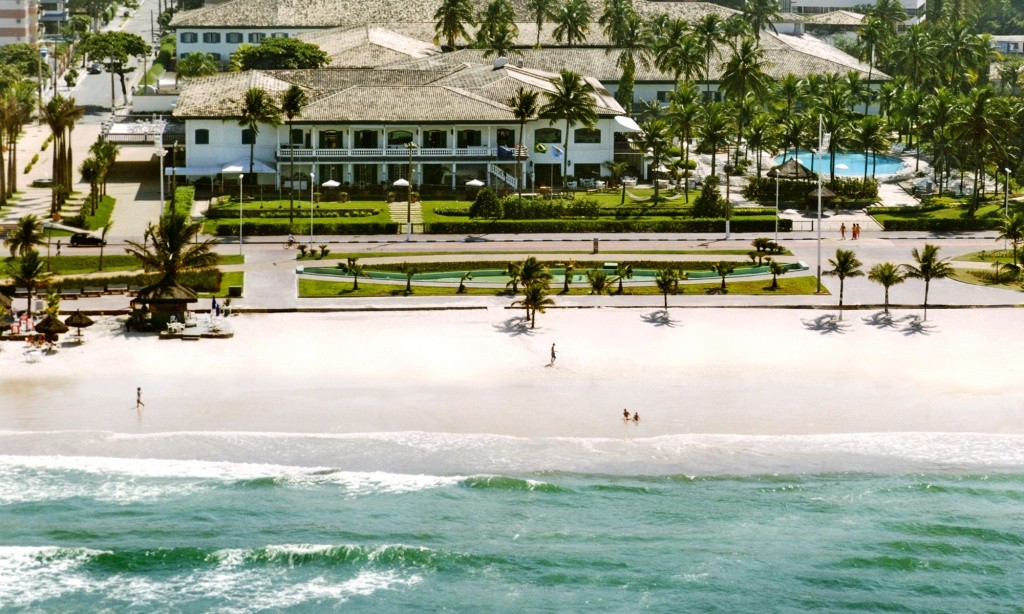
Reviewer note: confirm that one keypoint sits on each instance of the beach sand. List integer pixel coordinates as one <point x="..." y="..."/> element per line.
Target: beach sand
<point x="708" y="371"/>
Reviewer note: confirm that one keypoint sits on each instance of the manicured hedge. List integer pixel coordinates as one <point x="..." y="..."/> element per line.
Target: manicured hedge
<point x="226" y="213"/>
<point x="535" y="226"/>
<point x="930" y="224"/>
<point x="228" y="228"/>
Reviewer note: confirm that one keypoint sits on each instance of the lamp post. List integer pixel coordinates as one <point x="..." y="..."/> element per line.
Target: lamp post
<point x="728" y="169"/>
<point x="823" y="142"/>
<point x="775" y="173"/>
<point x="1006" y="197"/>
<point x="408" y="200"/>
<point x="240" y="184"/>
<point x="161" y="153"/>
<point x="311" y="176"/>
<point x="402" y="183"/>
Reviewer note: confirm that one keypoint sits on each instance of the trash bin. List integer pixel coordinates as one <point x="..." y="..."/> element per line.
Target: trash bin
<point x="597" y="245"/>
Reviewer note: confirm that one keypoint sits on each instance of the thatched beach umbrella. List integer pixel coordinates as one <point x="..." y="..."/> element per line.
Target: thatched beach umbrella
<point x="79" y="320"/>
<point x="51" y="327"/>
<point x="825" y="193"/>
<point x="791" y="169"/>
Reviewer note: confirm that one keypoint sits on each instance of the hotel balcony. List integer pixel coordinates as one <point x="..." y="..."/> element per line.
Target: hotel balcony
<point x="399" y="153"/>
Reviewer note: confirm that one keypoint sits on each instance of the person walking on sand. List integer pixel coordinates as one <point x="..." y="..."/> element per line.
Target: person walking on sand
<point x="553" y="355"/>
<point x="138" y="399"/>
<point x="842" y="231"/>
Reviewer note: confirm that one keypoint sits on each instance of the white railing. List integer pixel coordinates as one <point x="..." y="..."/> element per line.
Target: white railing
<point x="284" y="152"/>
<point x="505" y="177"/>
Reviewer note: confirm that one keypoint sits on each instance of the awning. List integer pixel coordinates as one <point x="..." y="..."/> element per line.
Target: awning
<point x="242" y="166"/>
<point x="627" y="124"/>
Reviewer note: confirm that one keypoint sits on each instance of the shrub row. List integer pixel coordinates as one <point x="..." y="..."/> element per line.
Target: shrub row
<point x="184" y="196"/>
<point x="532" y="226"/>
<point x="227" y="213"/>
<point x="762" y="189"/>
<point x="229" y="228"/>
<point x="931" y="224"/>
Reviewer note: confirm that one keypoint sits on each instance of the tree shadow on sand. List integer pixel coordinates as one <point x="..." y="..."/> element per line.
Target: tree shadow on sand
<point x="515" y="326"/>
<point x="914" y="325"/>
<point x="826" y="324"/>
<point x="880" y="320"/>
<point x="660" y="317"/>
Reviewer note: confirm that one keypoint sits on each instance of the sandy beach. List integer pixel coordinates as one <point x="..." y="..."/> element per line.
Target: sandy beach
<point x="708" y="371"/>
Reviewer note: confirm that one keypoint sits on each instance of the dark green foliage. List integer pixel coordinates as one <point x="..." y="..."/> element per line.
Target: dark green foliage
<point x="762" y="190"/>
<point x="279" y="54"/>
<point x="229" y="228"/>
<point x="184" y="196"/>
<point x="553" y="209"/>
<point x="229" y="212"/>
<point x="572" y="225"/>
<point x="940" y="224"/>
<point x="710" y="203"/>
<point x="486" y="205"/>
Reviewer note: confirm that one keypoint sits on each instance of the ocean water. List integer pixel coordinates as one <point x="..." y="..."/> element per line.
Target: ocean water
<point x="233" y="522"/>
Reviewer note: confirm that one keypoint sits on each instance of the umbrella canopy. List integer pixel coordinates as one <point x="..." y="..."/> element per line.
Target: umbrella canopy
<point x="166" y="295"/>
<point x="791" y="169"/>
<point x="78" y="320"/>
<point x="330" y="183"/>
<point x="475" y="183"/>
<point x="825" y="193"/>
<point x="51" y="326"/>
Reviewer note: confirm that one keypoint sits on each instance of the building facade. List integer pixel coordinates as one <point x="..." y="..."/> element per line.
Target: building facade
<point x="19" y="21"/>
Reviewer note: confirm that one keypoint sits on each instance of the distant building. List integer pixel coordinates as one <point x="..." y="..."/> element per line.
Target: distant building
<point x="19" y="21"/>
<point x="1008" y="44"/>
<point x="916" y="9"/>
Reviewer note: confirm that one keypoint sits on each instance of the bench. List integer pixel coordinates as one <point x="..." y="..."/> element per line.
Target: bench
<point x="134" y="290"/>
<point x="21" y="293"/>
<point x="69" y="295"/>
<point x="117" y="288"/>
<point x="92" y="291"/>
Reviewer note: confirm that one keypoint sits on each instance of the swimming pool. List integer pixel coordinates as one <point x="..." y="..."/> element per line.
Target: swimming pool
<point x="849" y="163"/>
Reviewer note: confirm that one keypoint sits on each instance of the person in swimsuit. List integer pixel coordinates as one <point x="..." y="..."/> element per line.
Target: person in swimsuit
<point x="625" y="414"/>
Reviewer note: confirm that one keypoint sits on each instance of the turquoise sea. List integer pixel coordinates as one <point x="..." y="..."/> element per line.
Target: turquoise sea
<point x="233" y="522"/>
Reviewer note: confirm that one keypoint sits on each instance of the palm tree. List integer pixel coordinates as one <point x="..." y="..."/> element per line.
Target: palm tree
<point x="888" y="275"/>
<point x="60" y="115"/>
<point x="761" y="13"/>
<point x="844" y="265"/>
<point x="257" y="108"/>
<point x="356" y="270"/>
<point x="514" y="272"/>
<point x="745" y="74"/>
<point x="871" y="135"/>
<point x="776" y="269"/>
<point x="1011" y="228"/>
<point x="25" y="236"/>
<point x="28" y="271"/>
<point x="453" y="17"/>
<point x="632" y="40"/>
<point x="500" y="42"/>
<point x="714" y="127"/>
<point x="939" y="112"/>
<point x="104" y="229"/>
<point x="534" y="299"/>
<point x="929" y="266"/>
<point x="292" y="102"/>
<point x="196" y="64"/>
<point x="684" y="110"/>
<point x="834" y="109"/>
<point x="680" y="54"/>
<point x="762" y="135"/>
<point x="709" y="34"/>
<point x="408" y="269"/>
<point x="573" y="21"/>
<point x="498" y="30"/>
<point x="623" y="271"/>
<point x="724" y="268"/>
<point x="524" y="108"/>
<point x="599" y="281"/>
<point x="106" y="153"/>
<point x="541" y="11"/>
<point x="533" y="271"/>
<point x="22" y="98"/>
<point x="573" y="103"/>
<point x="653" y="140"/>
<point x="570" y="267"/>
<point x="978" y="124"/>
<point x="172" y="247"/>
<point x="667" y="280"/>
<point x="91" y="170"/>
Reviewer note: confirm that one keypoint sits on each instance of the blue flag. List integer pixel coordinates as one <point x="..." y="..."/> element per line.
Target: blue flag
<point x="557" y="152"/>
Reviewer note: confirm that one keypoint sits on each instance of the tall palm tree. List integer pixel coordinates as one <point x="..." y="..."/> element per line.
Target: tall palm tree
<point x="453" y="17"/>
<point x="106" y="153"/>
<point x="292" y="103"/>
<point x="23" y="99"/>
<point x="790" y="93"/>
<point x="534" y="299"/>
<point x="497" y="23"/>
<point x="761" y="13"/>
<point x="745" y="74"/>
<point x="623" y="271"/>
<point x="684" y="109"/>
<point x="172" y="247"/>
<point x="500" y="42"/>
<point x="871" y="135"/>
<point x="844" y="265"/>
<point x="60" y="115"/>
<point x="257" y="108"/>
<point x="915" y="55"/>
<point x="1011" y="229"/>
<point x="724" y="268"/>
<point x="929" y="266"/>
<point x="653" y="140"/>
<point x="978" y="124"/>
<point x="541" y="11"/>
<point x="91" y="171"/>
<point x="28" y="271"/>
<point x="709" y="34"/>
<point x="667" y="280"/>
<point x="196" y="64"/>
<point x="833" y="107"/>
<point x="572" y="21"/>
<point x="632" y="40"/>
<point x="938" y="115"/>
<point x="571" y="102"/>
<point x="763" y="134"/>
<point x="714" y="128"/>
<point x="25" y="236"/>
<point x="887" y="275"/>
<point x="524" y="108"/>
<point x="680" y="54"/>
<point x="797" y="131"/>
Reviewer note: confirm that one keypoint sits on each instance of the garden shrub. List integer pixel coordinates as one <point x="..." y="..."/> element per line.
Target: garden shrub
<point x="710" y="203"/>
<point x="229" y="228"/>
<point x="486" y="205"/>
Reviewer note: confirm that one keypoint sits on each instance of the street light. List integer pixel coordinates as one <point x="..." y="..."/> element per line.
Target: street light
<point x="1006" y="197"/>
<point x="162" y="152"/>
<point x="311" y="176"/>
<point x="823" y="143"/>
<point x="402" y="183"/>
<point x="775" y="173"/>
<point x="408" y="200"/>
<point x="240" y="184"/>
<point x="728" y="168"/>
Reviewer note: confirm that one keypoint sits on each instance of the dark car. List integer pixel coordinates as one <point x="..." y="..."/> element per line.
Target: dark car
<point x="95" y="68"/>
<point x="81" y="239"/>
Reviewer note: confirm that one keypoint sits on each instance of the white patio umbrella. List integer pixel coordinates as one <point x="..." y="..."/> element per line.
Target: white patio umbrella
<point x="330" y="183"/>
<point x="475" y="183"/>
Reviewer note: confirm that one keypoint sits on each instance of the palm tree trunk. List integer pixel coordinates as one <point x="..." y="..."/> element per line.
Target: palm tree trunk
<point x="686" y="163"/>
<point x="3" y="177"/>
<point x="665" y="294"/>
<point x="565" y="154"/>
<point x="841" y="298"/>
<point x="926" y="284"/>
<point x="887" y="300"/>
<point x="519" y="161"/>
<point x="291" y="176"/>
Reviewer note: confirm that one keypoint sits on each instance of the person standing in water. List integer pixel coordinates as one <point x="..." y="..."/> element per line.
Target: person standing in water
<point x="636" y="417"/>
<point x="625" y="414"/>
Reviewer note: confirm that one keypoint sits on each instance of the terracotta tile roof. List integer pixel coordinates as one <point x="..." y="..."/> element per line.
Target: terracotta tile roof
<point x="367" y="46"/>
<point x="835" y="18"/>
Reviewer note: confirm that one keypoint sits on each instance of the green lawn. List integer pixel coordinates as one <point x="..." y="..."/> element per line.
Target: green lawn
<point x="80" y="265"/>
<point x="952" y="209"/>
<point x="254" y="213"/>
<point x="92" y="222"/>
<point x="512" y="255"/>
<point x="986" y="278"/>
<point x="233" y="278"/>
<point x="994" y="255"/>
<point x="313" y="288"/>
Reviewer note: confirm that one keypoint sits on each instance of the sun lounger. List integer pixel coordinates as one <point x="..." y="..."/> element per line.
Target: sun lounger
<point x="92" y="291"/>
<point x="117" y="288"/>
<point x="69" y="295"/>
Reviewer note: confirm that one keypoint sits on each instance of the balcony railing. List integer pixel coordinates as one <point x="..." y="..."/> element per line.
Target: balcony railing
<point x="284" y="151"/>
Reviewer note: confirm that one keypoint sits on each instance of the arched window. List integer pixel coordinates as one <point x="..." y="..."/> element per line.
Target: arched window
<point x="547" y="135"/>
<point x="586" y="135"/>
<point x="398" y="138"/>
<point x="202" y="136"/>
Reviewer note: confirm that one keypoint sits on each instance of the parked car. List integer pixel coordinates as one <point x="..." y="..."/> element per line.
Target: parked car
<point x="95" y="68"/>
<point x="81" y="239"/>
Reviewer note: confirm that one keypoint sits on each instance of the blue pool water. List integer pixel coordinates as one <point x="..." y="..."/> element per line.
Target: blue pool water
<point x="848" y="164"/>
<point x="397" y="522"/>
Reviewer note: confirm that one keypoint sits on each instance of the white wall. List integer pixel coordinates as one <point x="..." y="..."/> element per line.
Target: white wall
<point x="224" y="48"/>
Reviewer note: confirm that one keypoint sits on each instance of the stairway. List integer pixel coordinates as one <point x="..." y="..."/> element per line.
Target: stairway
<point x="397" y="211"/>
<point x="508" y="179"/>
